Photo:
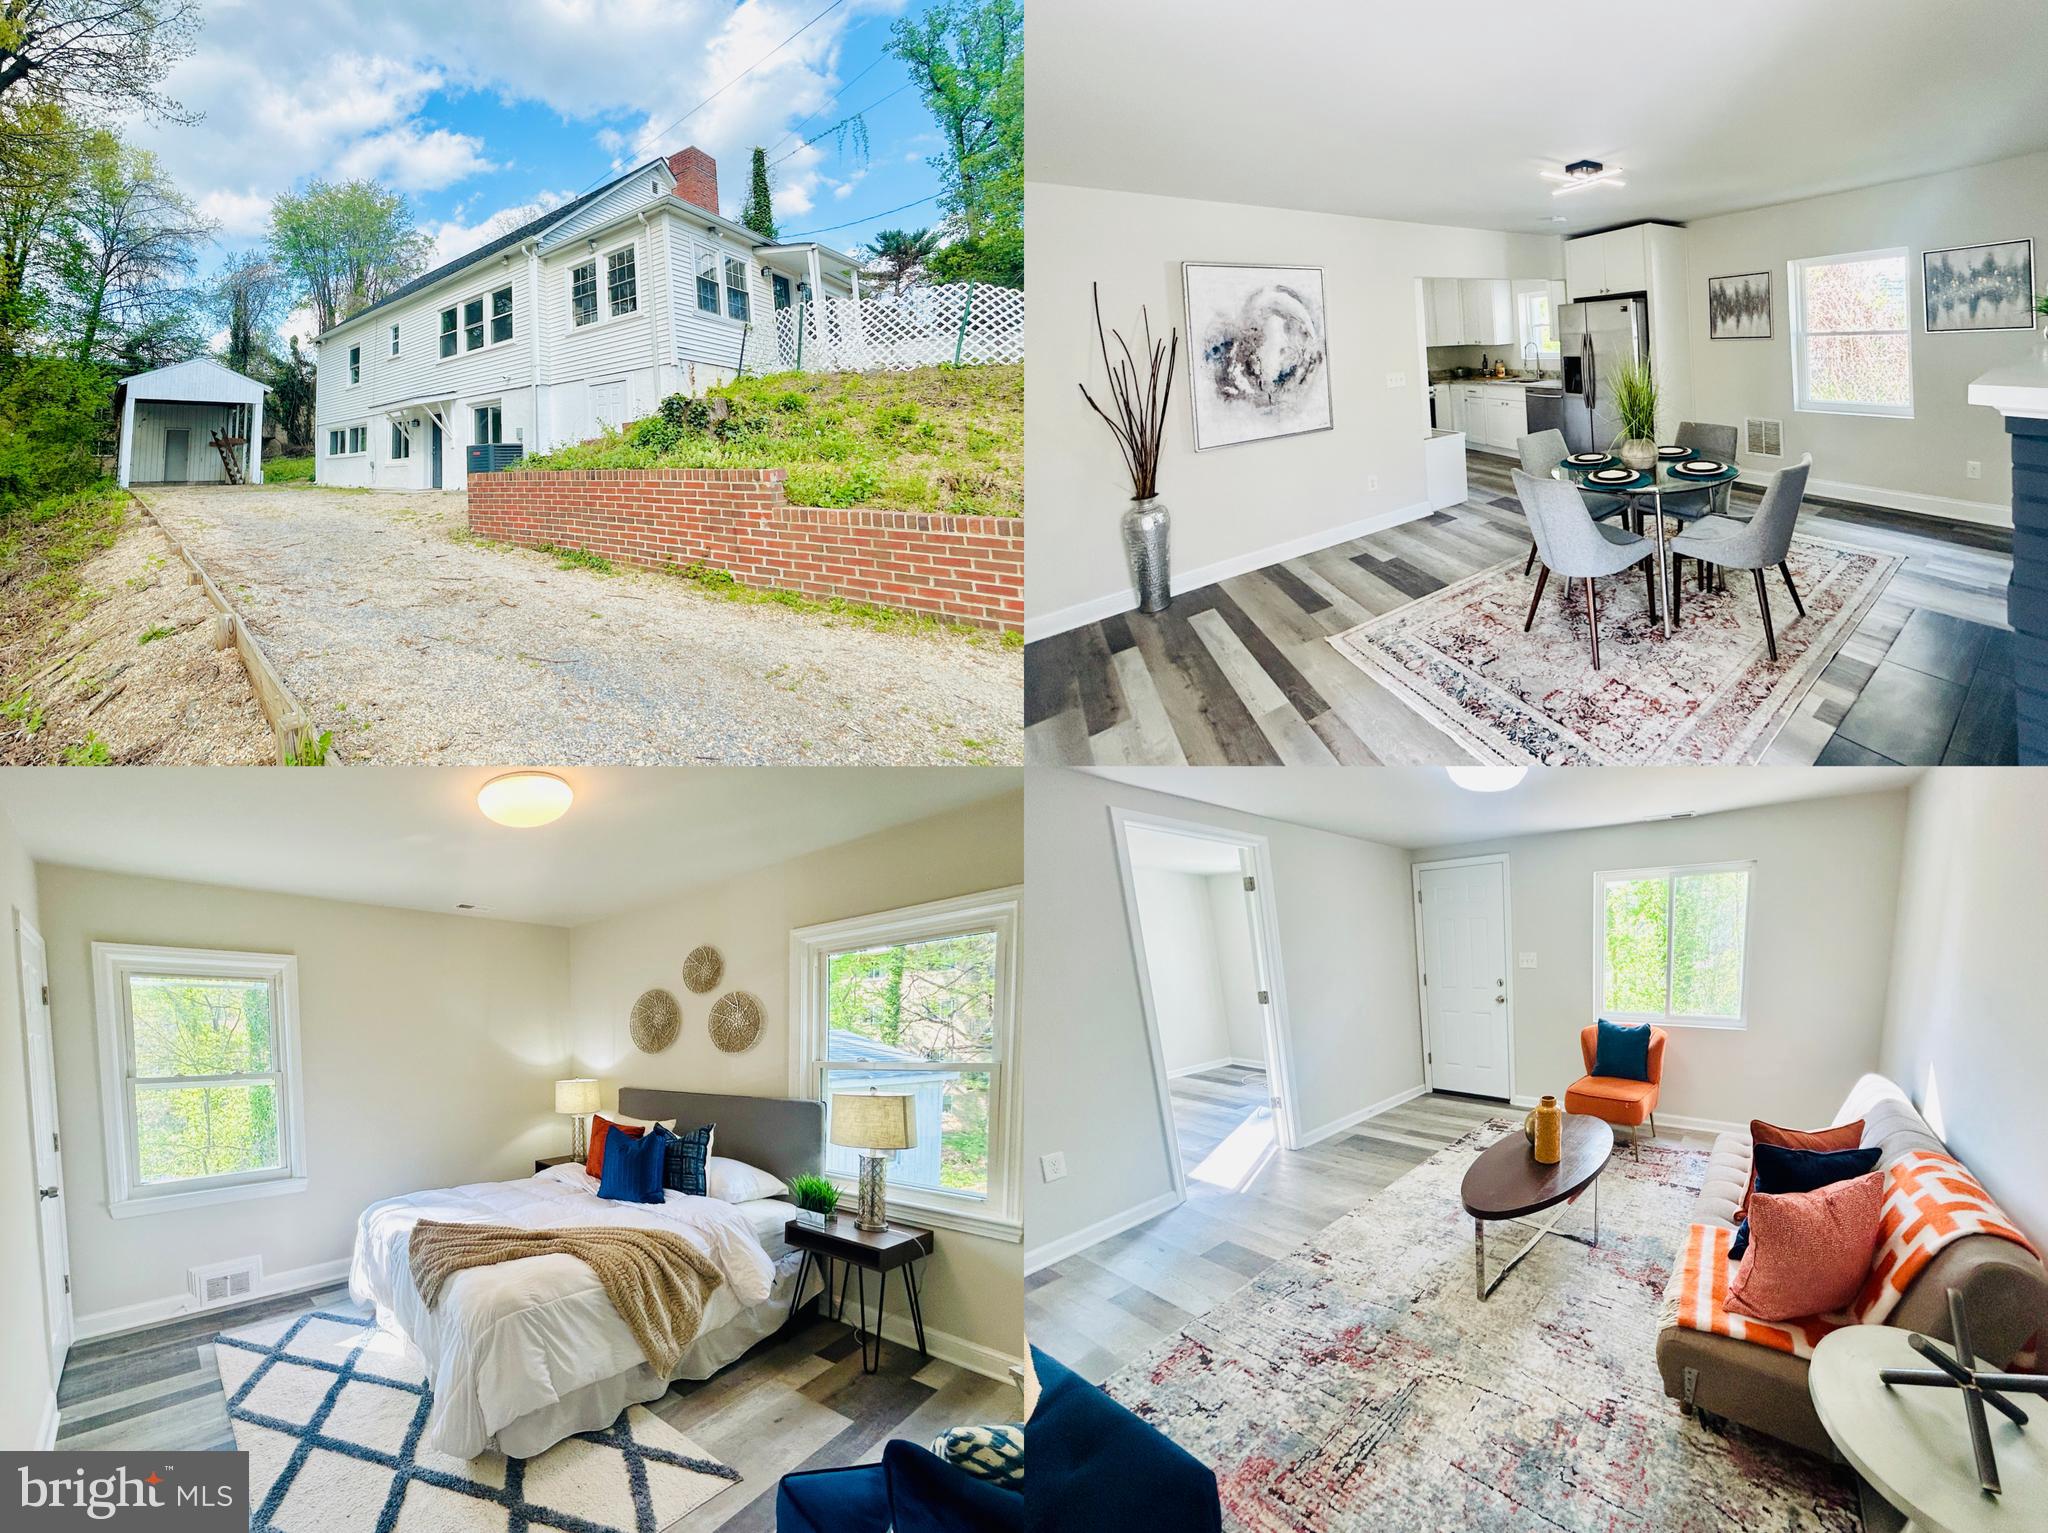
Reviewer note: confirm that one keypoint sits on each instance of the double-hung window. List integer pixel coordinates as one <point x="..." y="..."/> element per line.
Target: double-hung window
<point x="921" y="1002"/>
<point x="473" y="324"/>
<point x="1852" y="341"/>
<point x="622" y="288"/>
<point x="448" y="332"/>
<point x="1674" y="944"/>
<point x="359" y="439"/>
<point x="707" y="281"/>
<point x="1536" y="323"/>
<point x="501" y="315"/>
<point x="401" y="444"/>
<point x="355" y="365"/>
<point x="583" y="293"/>
<point x="394" y="340"/>
<point x="199" y="1067"/>
<point x="736" y="288"/>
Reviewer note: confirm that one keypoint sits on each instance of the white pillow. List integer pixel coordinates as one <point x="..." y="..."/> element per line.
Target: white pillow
<point x="639" y="1123"/>
<point x="734" y="1181"/>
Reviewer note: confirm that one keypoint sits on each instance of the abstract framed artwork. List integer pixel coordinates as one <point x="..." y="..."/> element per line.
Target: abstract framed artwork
<point x="1739" y="308"/>
<point x="1979" y="287"/>
<point x="1258" y="352"/>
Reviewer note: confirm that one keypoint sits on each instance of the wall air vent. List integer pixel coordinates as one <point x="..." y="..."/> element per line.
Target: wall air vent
<point x="224" y="1282"/>
<point x="1763" y="438"/>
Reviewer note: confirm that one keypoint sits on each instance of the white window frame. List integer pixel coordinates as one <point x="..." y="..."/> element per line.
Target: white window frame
<point x="496" y="407"/>
<point x="447" y="332"/>
<point x="1801" y="402"/>
<point x="1667" y="1017"/>
<point x="631" y="255"/>
<point x="401" y="443"/>
<point x="1000" y="1214"/>
<point x="394" y="340"/>
<point x="358" y="441"/>
<point x="714" y="255"/>
<point x="337" y="442"/>
<point x="1522" y="321"/>
<point x="745" y="290"/>
<point x="127" y="1197"/>
<point x="355" y="364"/>
<point x="576" y="321"/>
<point x="600" y="261"/>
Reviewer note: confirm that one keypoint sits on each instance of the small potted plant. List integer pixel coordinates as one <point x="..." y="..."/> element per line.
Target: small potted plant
<point x="816" y="1198"/>
<point x="1634" y="392"/>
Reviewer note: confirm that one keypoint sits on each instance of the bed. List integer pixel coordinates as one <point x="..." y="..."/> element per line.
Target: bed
<point x="526" y="1353"/>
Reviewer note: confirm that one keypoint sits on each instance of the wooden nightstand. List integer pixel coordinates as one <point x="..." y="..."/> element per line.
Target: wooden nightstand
<point x="556" y="1160"/>
<point x="860" y="1252"/>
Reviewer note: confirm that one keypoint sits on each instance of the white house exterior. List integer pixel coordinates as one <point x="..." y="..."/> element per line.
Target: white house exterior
<point x="170" y="417"/>
<point x="586" y="317"/>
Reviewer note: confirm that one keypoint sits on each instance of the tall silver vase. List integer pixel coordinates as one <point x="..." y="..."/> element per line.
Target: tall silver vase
<point x="1148" y="528"/>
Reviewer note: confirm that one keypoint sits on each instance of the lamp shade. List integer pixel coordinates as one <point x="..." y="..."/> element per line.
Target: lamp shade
<point x="578" y="1097"/>
<point x="865" y="1120"/>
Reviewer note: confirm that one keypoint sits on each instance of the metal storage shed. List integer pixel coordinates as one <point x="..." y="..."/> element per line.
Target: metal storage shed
<point x="170" y="418"/>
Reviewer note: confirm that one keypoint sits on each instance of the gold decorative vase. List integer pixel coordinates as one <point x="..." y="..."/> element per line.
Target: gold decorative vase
<point x="1545" y="1128"/>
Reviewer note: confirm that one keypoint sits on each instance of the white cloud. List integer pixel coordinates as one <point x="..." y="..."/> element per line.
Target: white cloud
<point x="453" y="237"/>
<point x="241" y="215"/>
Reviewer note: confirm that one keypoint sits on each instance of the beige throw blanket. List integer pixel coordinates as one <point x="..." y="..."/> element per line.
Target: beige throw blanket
<point x="656" y="1281"/>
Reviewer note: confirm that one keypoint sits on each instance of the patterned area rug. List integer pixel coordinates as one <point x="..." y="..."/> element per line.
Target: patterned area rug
<point x="1708" y="694"/>
<point x="330" y="1410"/>
<point x="1359" y="1384"/>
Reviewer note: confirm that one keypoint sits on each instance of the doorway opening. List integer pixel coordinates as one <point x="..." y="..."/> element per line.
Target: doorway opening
<point x="1201" y="912"/>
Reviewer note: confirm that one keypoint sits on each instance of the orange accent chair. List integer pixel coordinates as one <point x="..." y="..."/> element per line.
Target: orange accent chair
<point x="1610" y="1097"/>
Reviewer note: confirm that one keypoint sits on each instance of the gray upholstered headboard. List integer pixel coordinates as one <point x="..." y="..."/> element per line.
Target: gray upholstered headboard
<point x="781" y="1136"/>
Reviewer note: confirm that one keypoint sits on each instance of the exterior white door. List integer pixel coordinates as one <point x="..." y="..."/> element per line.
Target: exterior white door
<point x="1464" y="976"/>
<point x="608" y="404"/>
<point x="49" y="1169"/>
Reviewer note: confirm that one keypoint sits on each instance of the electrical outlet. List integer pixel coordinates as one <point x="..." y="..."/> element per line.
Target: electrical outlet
<point x="1528" y="960"/>
<point x="1053" y="1166"/>
<point x="1973" y="469"/>
<point x="1397" y="380"/>
<point x="1372" y="482"/>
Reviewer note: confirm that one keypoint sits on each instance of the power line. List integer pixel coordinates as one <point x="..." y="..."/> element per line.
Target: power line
<point x="849" y="117"/>
<point x="806" y="234"/>
<point x="879" y="60"/>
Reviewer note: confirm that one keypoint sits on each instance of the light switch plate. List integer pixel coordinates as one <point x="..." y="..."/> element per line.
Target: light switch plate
<point x="1053" y="1165"/>
<point x="1528" y="960"/>
<point x="1397" y="380"/>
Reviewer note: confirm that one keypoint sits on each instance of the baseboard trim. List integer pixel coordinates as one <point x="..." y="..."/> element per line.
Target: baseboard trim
<point x="46" y="1430"/>
<point x="1207" y="1064"/>
<point x="1675" y="1120"/>
<point x="133" y="1317"/>
<point x="1067" y="1245"/>
<point x="1984" y="513"/>
<point x="1125" y="599"/>
<point x="957" y="1350"/>
<point x="1351" y="1120"/>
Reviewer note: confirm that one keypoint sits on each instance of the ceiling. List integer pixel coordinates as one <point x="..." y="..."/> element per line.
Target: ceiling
<point x="413" y="837"/>
<point x="1413" y="807"/>
<point x="1446" y="113"/>
<point x="1165" y="852"/>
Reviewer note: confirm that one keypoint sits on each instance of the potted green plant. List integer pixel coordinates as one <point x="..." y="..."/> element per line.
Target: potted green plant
<point x="816" y="1198"/>
<point x="1634" y="392"/>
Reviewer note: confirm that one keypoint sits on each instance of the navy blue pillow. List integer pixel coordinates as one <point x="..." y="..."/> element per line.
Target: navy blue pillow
<point x="1095" y="1464"/>
<point x="685" y="1166"/>
<point x="1781" y="1170"/>
<point x="1623" y="1053"/>
<point x="929" y="1495"/>
<point x="632" y="1167"/>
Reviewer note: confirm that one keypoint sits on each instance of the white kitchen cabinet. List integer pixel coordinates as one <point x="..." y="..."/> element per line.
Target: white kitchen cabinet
<point x="1489" y="308"/>
<point x="1494" y="416"/>
<point x="1452" y="397"/>
<point x="1446" y="311"/>
<point x="1585" y="268"/>
<point x="1615" y="262"/>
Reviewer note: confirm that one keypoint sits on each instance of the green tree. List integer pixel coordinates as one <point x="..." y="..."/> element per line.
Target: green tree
<point x="291" y="396"/>
<point x="246" y="300"/>
<point x="897" y="256"/>
<point x="123" y="249"/>
<point x="52" y="413"/>
<point x="759" y="213"/>
<point x="202" y="1027"/>
<point x="967" y="58"/>
<point x="95" y="57"/>
<point x="996" y="257"/>
<point x="39" y="169"/>
<point x="343" y="247"/>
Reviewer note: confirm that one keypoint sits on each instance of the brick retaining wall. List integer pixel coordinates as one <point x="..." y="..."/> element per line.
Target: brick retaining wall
<point x="966" y="569"/>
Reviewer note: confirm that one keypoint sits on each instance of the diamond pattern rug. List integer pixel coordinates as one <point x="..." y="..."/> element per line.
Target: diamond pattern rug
<point x="330" y="1410"/>
<point x="1359" y="1384"/>
<point x="1709" y="694"/>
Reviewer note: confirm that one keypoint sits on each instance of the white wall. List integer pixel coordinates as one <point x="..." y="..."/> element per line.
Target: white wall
<point x="1244" y="1021"/>
<point x="1240" y="507"/>
<point x="430" y="1044"/>
<point x="1824" y="887"/>
<point x="29" y="1399"/>
<point x="1180" y="958"/>
<point x="1917" y="464"/>
<point x="1346" y="954"/>
<point x="1964" y="1032"/>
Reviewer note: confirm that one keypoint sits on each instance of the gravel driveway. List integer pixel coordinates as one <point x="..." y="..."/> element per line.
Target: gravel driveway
<point x="414" y="645"/>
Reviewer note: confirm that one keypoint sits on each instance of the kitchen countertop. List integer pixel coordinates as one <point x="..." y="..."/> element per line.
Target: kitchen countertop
<point x="1508" y="382"/>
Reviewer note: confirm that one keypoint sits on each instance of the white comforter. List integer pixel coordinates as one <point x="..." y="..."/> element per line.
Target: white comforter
<point x="515" y="1338"/>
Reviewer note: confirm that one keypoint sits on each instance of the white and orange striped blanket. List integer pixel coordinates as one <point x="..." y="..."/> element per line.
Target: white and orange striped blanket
<point x="1929" y="1201"/>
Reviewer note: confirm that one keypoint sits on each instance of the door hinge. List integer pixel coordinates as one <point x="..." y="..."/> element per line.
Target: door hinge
<point x="54" y="1146"/>
<point x="67" y="1282"/>
<point x="46" y="995"/>
<point x="1265" y="998"/>
<point x="1428" y="1058"/>
<point x="1250" y="884"/>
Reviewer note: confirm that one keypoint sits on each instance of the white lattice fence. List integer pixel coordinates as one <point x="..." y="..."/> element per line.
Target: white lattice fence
<point x="921" y="327"/>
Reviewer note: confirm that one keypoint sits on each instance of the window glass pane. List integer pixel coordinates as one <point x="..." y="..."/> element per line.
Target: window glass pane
<point x="394" y="340"/>
<point x="950" y="1110"/>
<point x="355" y="364"/>
<point x="735" y="289"/>
<point x="191" y="1131"/>
<point x="621" y="287"/>
<point x="1858" y="369"/>
<point x="931" y="999"/>
<point x="1635" y="930"/>
<point x="501" y="314"/>
<point x="707" y="281"/>
<point x="447" y="332"/>
<point x="473" y="324"/>
<point x="583" y="293"/>
<point x="1854" y="295"/>
<point x="1707" y="918"/>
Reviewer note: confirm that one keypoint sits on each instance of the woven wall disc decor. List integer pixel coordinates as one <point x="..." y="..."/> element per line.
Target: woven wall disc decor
<point x="703" y="968"/>
<point x="657" y="1018"/>
<point x="735" y="1021"/>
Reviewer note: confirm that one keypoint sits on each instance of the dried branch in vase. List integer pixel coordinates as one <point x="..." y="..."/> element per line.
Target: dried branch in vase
<point x="1139" y="397"/>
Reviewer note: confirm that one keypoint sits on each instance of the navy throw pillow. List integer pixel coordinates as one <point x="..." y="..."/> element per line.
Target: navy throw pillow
<point x="1781" y="1170"/>
<point x="685" y="1165"/>
<point x="632" y="1167"/>
<point x="1097" y="1465"/>
<point x="1622" y="1053"/>
<point x="929" y="1495"/>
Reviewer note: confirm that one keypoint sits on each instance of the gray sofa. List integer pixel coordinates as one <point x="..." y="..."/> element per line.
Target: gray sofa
<point x="1718" y="1377"/>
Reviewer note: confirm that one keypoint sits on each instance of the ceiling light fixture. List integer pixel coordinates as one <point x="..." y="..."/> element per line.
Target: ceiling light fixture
<point x="525" y="799"/>
<point x="1581" y="174"/>
<point x="1486" y="779"/>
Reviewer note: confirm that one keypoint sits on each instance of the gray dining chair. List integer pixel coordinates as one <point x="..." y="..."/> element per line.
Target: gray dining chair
<point x="1542" y="451"/>
<point x="1708" y="441"/>
<point x="1577" y="547"/>
<point x="1755" y="545"/>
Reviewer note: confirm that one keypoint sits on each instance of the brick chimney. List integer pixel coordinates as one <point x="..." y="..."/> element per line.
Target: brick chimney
<point x="696" y="176"/>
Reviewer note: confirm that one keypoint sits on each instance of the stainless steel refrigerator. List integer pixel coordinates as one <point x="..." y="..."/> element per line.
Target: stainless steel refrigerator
<point x="1595" y="341"/>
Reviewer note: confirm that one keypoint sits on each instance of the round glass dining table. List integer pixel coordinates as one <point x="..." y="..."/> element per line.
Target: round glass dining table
<point x="1654" y="484"/>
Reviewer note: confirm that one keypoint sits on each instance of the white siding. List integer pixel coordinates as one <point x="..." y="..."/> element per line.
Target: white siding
<point x="153" y="417"/>
<point x="628" y="196"/>
<point x="708" y="345"/>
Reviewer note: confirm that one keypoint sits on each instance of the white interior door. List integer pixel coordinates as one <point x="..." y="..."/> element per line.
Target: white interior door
<point x="1464" y="970"/>
<point x="49" y="1169"/>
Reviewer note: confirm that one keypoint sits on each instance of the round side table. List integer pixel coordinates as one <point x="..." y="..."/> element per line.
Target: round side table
<point x="1912" y="1445"/>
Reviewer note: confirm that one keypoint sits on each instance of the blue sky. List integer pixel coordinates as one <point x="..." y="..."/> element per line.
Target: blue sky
<point x="482" y="127"/>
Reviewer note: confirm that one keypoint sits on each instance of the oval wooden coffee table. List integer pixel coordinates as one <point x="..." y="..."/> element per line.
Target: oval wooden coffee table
<point x="1508" y="1182"/>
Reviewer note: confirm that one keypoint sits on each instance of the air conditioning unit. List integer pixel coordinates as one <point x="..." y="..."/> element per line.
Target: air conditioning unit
<point x="1763" y="438"/>
<point x="224" y="1282"/>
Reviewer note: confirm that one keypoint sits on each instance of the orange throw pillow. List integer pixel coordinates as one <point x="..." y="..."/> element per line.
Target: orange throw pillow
<point x="599" y="1127"/>
<point x="1809" y="1252"/>
<point x="1844" y="1136"/>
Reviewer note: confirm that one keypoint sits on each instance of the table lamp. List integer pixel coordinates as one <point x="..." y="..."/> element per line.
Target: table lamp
<point x="875" y="1125"/>
<point x="578" y="1098"/>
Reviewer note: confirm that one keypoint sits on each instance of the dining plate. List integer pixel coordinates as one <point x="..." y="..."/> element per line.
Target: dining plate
<point x="1612" y="476"/>
<point x="1674" y="452"/>
<point x="1700" y="468"/>
<point x="1589" y="459"/>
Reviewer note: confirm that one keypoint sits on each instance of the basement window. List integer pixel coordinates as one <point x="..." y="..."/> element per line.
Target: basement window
<point x="334" y="447"/>
<point x="736" y="289"/>
<point x="621" y="284"/>
<point x="583" y="293"/>
<point x="448" y="332"/>
<point x="1674" y="944"/>
<point x="401" y="444"/>
<point x="490" y="423"/>
<point x="359" y="439"/>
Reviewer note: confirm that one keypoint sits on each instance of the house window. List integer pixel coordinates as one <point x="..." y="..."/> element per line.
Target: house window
<point x="707" y="281"/>
<point x="1674" y="944"/>
<point x="473" y="324"/>
<point x="199" y="1068"/>
<point x="401" y="444"/>
<point x="921" y="1003"/>
<point x="501" y="315"/>
<point x="394" y="340"/>
<point x="334" y="441"/>
<point x="355" y="365"/>
<point x="448" y="331"/>
<point x="735" y="288"/>
<point x="779" y="285"/>
<point x="1852" y="344"/>
<point x="490" y="423"/>
<point x="1535" y="322"/>
<point x="583" y="293"/>
<point x="359" y="439"/>
<point x="621" y="285"/>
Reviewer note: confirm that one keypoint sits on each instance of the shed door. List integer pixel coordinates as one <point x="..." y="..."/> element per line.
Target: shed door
<point x="177" y="449"/>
